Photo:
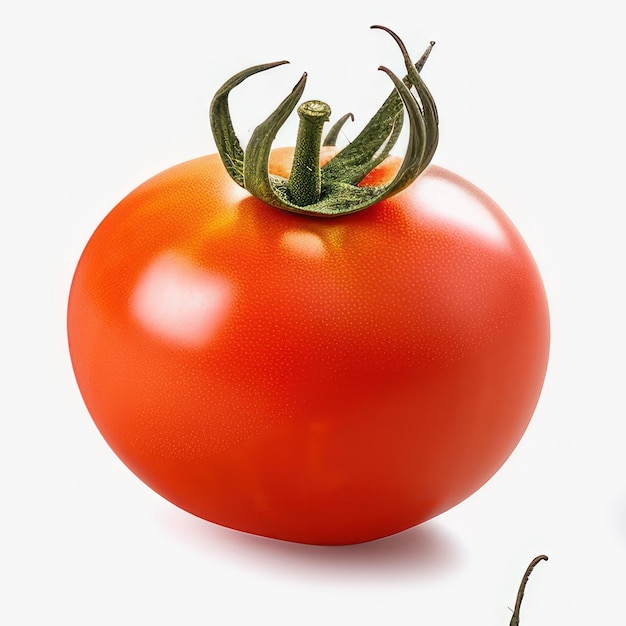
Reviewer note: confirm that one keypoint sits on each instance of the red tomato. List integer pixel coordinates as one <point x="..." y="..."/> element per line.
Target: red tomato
<point x="313" y="380"/>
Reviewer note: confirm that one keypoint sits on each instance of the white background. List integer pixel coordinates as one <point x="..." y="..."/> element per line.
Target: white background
<point x="98" y="96"/>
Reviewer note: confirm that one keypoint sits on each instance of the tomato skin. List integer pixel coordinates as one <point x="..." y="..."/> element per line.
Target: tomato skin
<point x="325" y="381"/>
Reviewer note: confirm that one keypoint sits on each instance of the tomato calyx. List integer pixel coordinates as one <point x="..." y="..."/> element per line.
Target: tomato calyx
<point x="333" y="189"/>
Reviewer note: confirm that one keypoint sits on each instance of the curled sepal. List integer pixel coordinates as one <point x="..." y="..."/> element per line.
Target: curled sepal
<point x="423" y="129"/>
<point x="228" y="145"/>
<point x="334" y="189"/>
<point x="257" y="179"/>
<point x="374" y="143"/>
<point x="333" y="134"/>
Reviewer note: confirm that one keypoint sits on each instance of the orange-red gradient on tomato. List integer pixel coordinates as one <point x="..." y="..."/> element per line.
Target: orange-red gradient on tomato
<point x="326" y="381"/>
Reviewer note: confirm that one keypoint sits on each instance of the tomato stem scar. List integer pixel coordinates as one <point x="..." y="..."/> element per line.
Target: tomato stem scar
<point x="520" y="594"/>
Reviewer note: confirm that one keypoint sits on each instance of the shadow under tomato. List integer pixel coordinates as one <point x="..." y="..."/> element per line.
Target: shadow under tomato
<point x="426" y="550"/>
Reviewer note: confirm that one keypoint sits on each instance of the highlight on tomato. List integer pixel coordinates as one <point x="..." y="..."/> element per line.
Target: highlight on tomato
<point x="314" y="344"/>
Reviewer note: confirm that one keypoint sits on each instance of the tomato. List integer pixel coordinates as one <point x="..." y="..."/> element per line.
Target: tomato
<point x="350" y="346"/>
<point x="312" y="380"/>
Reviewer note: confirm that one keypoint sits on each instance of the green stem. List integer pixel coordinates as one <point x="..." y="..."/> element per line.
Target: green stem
<point x="305" y="179"/>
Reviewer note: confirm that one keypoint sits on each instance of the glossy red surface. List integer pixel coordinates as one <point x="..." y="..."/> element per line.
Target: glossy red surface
<point x="316" y="380"/>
